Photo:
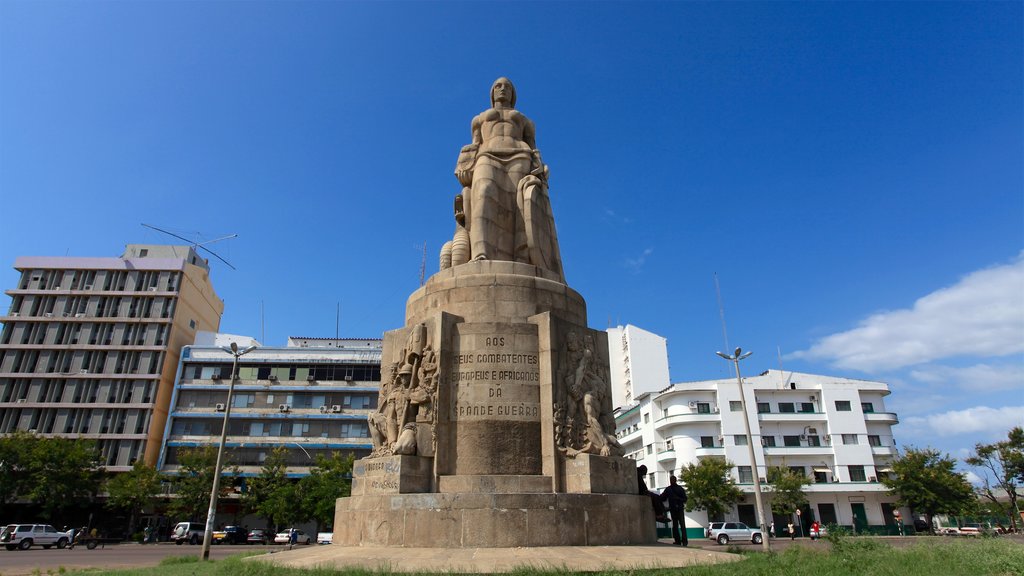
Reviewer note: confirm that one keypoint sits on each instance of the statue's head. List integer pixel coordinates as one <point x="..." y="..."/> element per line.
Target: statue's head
<point x="503" y="90"/>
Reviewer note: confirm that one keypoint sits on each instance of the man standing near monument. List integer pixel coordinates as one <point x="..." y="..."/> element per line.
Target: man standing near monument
<point x="675" y="495"/>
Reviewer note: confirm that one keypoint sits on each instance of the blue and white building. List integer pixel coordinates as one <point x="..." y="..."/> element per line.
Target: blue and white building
<point x="310" y="397"/>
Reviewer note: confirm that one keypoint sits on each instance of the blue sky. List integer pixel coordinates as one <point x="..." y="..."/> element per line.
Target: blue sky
<point x="852" y="172"/>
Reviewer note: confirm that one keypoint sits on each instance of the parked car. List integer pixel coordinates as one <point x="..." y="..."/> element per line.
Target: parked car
<point x="712" y="526"/>
<point x="285" y="537"/>
<point x="736" y="531"/>
<point x="324" y="537"/>
<point x="24" y="536"/>
<point x="230" y="535"/>
<point x="258" y="537"/>
<point x="191" y="532"/>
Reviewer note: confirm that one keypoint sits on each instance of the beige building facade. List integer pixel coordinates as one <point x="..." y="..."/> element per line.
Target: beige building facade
<point x="90" y="346"/>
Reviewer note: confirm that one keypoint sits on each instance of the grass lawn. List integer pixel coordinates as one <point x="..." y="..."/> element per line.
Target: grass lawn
<point x="849" y="557"/>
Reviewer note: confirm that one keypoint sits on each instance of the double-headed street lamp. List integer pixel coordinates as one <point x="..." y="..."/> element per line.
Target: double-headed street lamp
<point x="212" y="513"/>
<point x="735" y="359"/>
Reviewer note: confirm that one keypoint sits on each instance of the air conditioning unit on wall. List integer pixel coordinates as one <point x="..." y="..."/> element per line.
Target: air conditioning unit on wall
<point x="284" y="408"/>
<point x="219" y="407"/>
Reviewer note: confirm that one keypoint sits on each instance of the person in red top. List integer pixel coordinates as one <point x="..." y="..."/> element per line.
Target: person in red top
<point x="815" y="530"/>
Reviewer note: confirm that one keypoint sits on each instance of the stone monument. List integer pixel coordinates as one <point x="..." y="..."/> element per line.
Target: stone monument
<point x="494" y="424"/>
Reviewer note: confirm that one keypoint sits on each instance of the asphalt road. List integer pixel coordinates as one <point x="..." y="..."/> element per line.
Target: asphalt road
<point x="112" y="556"/>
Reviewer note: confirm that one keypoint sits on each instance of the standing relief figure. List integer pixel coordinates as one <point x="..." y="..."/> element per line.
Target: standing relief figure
<point x="504" y="210"/>
<point x="406" y="398"/>
<point x="584" y="423"/>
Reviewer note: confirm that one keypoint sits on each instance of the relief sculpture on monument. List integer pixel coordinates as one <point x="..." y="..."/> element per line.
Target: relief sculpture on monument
<point x="406" y="401"/>
<point x="584" y="423"/>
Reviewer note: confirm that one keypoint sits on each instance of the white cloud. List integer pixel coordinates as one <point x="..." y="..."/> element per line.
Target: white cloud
<point x="981" y="315"/>
<point x="635" y="264"/>
<point x="980" y="377"/>
<point x="981" y="421"/>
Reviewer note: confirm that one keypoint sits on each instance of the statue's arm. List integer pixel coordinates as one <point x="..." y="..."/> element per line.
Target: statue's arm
<point x="529" y="133"/>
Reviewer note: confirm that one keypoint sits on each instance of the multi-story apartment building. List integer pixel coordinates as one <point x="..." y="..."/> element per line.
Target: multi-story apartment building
<point x="834" y="430"/>
<point x="90" y="346"/>
<point x="310" y="397"/>
<point x="639" y="363"/>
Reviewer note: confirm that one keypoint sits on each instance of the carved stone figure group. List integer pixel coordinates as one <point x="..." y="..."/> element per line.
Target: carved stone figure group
<point x="503" y="212"/>
<point x="583" y="411"/>
<point x="408" y="394"/>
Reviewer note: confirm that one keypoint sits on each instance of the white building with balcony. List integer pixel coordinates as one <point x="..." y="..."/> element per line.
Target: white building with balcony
<point x="835" y="430"/>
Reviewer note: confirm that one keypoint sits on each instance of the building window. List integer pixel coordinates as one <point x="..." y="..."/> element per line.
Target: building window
<point x="768" y="441"/>
<point x="707" y="442"/>
<point x="849" y="438"/>
<point x="647" y="418"/>
<point x="842" y="405"/>
<point x="791" y="440"/>
<point x="745" y="475"/>
<point x="857" y="474"/>
<point x="787" y="407"/>
<point x="739" y="440"/>
<point x="650" y="449"/>
<point x="820" y="476"/>
<point x="814" y="440"/>
<point x="143" y="253"/>
<point x="192" y="324"/>
<point x="763" y="408"/>
<point x="735" y="406"/>
<point x="703" y="408"/>
<point x="874" y="440"/>
<point x="798" y="470"/>
<point x="807" y="406"/>
<point x="867" y="407"/>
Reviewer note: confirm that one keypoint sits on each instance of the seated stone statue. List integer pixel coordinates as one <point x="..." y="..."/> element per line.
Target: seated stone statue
<point x="507" y="210"/>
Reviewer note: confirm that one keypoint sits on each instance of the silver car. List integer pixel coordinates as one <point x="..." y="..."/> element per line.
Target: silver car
<point x="735" y="531"/>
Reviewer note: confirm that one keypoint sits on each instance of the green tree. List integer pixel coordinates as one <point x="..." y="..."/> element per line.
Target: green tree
<point x="272" y="495"/>
<point x="927" y="481"/>
<point x="328" y="481"/>
<point x="13" y="472"/>
<point x="53" y="473"/>
<point x="710" y="487"/>
<point x="133" y="491"/>
<point x="787" y="490"/>
<point x="1001" y="467"/>
<point x="194" y="481"/>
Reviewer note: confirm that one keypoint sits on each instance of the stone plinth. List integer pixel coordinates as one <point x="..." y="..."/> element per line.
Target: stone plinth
<point x="495" y="291"/>
<point x="392" y="475"/>
<point x="590" y="474"/>
<point x="468" y="520"/>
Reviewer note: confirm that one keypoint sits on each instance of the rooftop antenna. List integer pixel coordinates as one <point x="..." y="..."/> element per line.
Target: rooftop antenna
<point x="423" y="263"/>
<point x="197" y="245"/>
<point x="721" y="311"/>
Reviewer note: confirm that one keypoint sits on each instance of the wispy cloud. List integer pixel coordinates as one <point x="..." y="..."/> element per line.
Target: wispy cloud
<point x="979" y="421"/>
<point x="615" y="216"/>
<point x="980" y="377"/>
<point x="636" y="264"/>
<point x="982" y="315"/>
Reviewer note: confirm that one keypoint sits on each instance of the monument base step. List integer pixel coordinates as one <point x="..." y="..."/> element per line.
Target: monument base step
<point x="495" y="484"/>
<point x="477" y="520"/>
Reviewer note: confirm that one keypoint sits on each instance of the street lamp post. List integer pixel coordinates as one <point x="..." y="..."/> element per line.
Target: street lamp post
<point x="735" y="359"/>
<point x="214" y="492"/>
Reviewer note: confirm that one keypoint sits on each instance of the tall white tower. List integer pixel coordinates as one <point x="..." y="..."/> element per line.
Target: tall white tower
<point x="639" y="363"/>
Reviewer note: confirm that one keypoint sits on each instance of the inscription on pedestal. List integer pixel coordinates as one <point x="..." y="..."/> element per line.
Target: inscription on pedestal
<point x="391" y="475"/>
<point x="496" y="381"/>
<point x="494" y="376"/>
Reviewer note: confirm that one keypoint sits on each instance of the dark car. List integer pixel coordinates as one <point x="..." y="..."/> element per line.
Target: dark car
<point x="258" y="537"/>
<point x="231" y="535"/>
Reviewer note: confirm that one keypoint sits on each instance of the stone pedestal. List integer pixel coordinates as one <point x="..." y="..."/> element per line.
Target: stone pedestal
<point x="498" y="391"/>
